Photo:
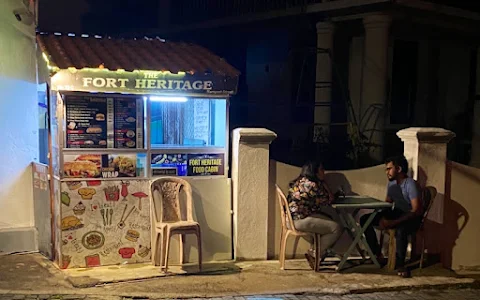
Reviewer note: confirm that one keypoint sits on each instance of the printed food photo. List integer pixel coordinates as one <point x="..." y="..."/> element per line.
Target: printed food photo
<point x="125" y="165"/>
<point x="82" y="166"/>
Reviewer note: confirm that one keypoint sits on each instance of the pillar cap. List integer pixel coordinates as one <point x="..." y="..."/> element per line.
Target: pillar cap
<point x="377" y="21"/>
<point x="426" y="135"/>
<point x="325" y="27"/>
<point x="254" y="135"/>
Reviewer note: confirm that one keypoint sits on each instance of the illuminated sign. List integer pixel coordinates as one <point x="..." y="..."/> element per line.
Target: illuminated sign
<point x="188" y="164"/>
<point x="206" y="164"/>
<point x="142" y="82"/>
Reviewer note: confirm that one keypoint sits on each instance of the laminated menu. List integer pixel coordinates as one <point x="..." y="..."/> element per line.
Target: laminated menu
<point x="125" y="122"/>
<point x="86" y="122"/>
<point x="104" y="122"/>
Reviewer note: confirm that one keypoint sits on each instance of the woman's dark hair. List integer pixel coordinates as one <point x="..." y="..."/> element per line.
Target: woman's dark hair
<point x="309" y="171"/>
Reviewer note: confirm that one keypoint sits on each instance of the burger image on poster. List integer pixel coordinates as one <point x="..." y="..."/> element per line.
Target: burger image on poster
<point x="100" y="117"/>
<point x="143" y="251"/>
<point x="74" y="185"/>
<point x="132" y="235"/>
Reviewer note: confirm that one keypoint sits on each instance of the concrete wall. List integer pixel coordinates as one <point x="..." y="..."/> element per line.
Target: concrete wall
<point x="19" y="125"/>
<point x="462" y="217"/>
<point x="369" y="181"/>
<point x="459" y="231"/>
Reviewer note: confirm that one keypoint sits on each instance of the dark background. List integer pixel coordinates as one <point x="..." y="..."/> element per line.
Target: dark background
<point x="97" y="16"/>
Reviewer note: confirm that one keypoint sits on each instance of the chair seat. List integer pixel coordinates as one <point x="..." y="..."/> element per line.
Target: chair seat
<point x="299" y="233"/>
<point x="176" y="225"/>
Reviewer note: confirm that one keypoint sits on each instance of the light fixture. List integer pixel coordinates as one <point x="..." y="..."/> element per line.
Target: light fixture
<point x="167" y="99"/>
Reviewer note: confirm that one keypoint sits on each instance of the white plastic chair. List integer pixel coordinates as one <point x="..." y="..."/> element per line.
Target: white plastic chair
<point x="166" y="216"/>
<point x="288" y="229"/>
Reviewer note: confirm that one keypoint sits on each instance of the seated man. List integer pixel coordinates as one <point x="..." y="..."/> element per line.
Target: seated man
<point x="405" y="216"/>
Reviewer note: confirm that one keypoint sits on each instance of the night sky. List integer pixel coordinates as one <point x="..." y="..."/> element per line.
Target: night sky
<point x="116" y="17"/>
<point x="97" y="16"/>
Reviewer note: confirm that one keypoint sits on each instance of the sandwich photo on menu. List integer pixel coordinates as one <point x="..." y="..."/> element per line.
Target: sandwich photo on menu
<point x="96" y="166"/>
<point x="82" y="166"/>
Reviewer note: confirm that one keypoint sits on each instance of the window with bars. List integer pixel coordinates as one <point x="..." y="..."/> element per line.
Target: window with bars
<point x="188" y="123"/>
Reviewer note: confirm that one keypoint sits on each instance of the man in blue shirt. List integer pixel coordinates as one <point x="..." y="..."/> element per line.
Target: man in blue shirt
<point x="405" y="216"/>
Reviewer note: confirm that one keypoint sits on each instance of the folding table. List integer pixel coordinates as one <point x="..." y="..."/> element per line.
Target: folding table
<point x="347" y="208"/>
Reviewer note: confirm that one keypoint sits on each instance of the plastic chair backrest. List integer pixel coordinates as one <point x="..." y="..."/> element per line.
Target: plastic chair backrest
<point x="166" y="199"/>
<point x="286" y="216"/>
<point x="429" y="194"/>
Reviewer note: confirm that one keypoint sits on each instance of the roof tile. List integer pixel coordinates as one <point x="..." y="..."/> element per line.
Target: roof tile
<point x="65" y="51"/>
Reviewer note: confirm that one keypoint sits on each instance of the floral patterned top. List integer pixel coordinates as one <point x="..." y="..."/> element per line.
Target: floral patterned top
<point x="305" y="198"/>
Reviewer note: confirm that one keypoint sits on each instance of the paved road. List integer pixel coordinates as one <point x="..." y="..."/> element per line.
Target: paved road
<point x="463" y="294"/>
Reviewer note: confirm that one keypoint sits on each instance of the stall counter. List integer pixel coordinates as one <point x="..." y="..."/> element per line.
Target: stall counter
<point x="104" y="222"/>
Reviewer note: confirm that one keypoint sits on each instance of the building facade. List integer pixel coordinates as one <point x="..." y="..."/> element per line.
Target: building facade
<point x="398" y="63"/>
<point x="19" y="122"/>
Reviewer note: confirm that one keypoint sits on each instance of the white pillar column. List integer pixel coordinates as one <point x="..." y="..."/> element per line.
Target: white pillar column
<point x="426" y="152"/>
<point x="374" y="83"/>
<point x="250" y="167"/>
<point x="323" y="86"/>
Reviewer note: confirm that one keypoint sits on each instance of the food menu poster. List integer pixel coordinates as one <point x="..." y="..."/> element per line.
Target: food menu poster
<point x="169" y="164"/>
<point x="128" y="122"/>
<point x="100" y="166"/>
<point x="188" y="164"/>
<point x="86" y="122"/>
<point x="101" y="122"/>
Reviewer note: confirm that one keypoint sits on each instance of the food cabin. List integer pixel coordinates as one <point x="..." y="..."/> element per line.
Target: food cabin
<point x="123" y="112"/>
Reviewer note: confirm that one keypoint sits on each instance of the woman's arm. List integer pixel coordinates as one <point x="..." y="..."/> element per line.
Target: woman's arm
<point x="331" y="197"/>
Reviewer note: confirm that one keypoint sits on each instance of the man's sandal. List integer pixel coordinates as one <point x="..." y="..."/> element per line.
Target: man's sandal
<point x="404" y="273"/>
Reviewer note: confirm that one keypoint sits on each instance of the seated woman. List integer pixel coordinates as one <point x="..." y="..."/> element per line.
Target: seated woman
<point x="306" y="196"/>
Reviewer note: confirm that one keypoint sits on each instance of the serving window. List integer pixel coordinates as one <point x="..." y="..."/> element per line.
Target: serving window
<point x="180" y="122"/>
<point x="104" y="136"/>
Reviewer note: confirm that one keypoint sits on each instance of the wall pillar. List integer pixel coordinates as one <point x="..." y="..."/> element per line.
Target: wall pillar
<point x="250" y="168"/>
<point x="323" y="86"/>
<point x="426" y="152"/>
<point x="374" y="85"/>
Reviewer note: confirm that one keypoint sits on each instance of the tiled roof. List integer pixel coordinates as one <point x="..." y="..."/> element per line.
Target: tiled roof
<point x="153" y="54"/>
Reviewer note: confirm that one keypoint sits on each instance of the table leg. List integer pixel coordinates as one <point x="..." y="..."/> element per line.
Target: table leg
<point x="360" y="250"/>
<point x="358" y="237"/>
<point x="363" y="240"/>
<point x="348" y="227"/>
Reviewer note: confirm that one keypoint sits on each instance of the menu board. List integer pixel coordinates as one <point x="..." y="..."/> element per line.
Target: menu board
<point x="126" y="122"/>
<point x="101" y="122"/>
<point x="86" y="122"/>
